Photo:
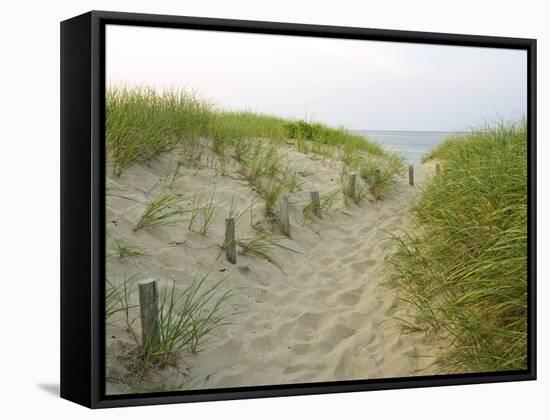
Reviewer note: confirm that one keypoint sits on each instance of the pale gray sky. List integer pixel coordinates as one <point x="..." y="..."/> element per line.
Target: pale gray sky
<point x="356" y="84"/>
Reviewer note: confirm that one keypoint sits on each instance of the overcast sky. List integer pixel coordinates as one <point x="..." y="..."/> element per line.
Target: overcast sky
<point x="356" y="84"/>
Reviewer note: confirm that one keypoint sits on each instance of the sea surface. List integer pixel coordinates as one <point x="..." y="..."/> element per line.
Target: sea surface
<point x="413" y="145"/>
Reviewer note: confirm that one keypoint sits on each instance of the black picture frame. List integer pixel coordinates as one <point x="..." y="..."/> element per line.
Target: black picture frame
<point x="83" y="206"/>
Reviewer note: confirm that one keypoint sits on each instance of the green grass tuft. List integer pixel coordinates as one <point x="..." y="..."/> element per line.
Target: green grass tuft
<point x="326" y="203"/>
<point x="262" y="246"/>
<point x="380" y="178"/>
<point x="121" y="248"/>
<point x="141" y="123"/>
<point x="163" y="209"/>
<point x="465" y="267"/>
<point x="186" y="320"/>
<point x="202" y="211"/>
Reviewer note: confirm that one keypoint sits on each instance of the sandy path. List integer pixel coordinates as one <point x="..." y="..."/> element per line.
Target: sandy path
<point x="329" y="317"/>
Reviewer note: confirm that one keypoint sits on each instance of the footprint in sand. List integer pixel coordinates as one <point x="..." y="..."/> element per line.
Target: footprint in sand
<point x="362" y="265"/>
<point x="383" y="217"/>
<point x="309" y="321"/>
<point x="334" y="337"/>
<point x="301" y="348"/>
<point x="341" y="252"/>
<point x="327" y="261"/>
<point x="327" y="274"/>
<point x="315" y="297"/>
<point x="366" y="230"/>
<point x="347" y="298"/>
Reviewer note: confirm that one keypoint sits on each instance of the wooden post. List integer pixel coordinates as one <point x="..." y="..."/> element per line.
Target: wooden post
<point x="285" y="216"/>
<point x="316" y="203"/>
<point x="149" y="313"/>
<point x="230" y="244"/>
<point x="411" y="174"/>
<point x="352" y="186"/>
<point x="437" y="168"/>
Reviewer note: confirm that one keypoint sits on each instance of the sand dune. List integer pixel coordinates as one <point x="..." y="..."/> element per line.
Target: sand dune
<point x="328" y="317"/>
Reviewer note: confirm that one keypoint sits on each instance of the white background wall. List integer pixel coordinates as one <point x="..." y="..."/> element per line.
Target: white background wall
<point x="29" y="214"/>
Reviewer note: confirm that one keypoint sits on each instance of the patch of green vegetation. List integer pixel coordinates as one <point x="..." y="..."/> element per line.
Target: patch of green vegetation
<point x="379" y="177"/>
<point x="464" y="267"/>
<point x="326" y="203"/>
<point x="322" y="134"/>
<point x="262" y="246"/>
<point x="185" y="321"/>
<point x="122" y="249"/>
<point x="141" y="123"/>
<point x="161" y="210"/>
<point x="201" y="213"/>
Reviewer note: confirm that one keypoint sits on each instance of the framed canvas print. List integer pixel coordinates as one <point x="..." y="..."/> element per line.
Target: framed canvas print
<point x="255" y="209"/>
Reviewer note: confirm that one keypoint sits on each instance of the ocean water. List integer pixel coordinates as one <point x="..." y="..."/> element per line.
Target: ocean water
<point x="414" y="145"/>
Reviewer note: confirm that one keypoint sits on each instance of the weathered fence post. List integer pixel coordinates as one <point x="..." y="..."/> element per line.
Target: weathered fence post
<point x="316" y="203"/>
<point x="411" y="174"/>
<point x="149" y="313"/>
<point x="285" y="216"/>
<point x="437" y="168"/>
<point x="352" y="185"/>
<point x="230" y="244"/>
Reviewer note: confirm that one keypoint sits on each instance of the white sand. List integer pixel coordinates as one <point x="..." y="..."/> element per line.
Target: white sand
<point x="330" y="317"/>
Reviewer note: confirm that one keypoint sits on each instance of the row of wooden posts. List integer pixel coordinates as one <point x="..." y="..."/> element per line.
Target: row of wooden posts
<point x="148" y="289"/>
<point x="230" y="242"/>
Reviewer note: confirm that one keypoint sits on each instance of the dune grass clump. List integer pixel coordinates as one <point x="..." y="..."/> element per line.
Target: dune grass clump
<point x="262" y="164"/>
<point x="292" y="179"/>
<point x="228" y="127"/>
<point x="465" y="266"/>
<point x="161" y="210"/>
<point x="116" y="296"/>
<point x="185" y="321"/>
<point x="321" y="134"/>
<point x="379" y="177"/>
<point x="262" y="246"/>
<point x="201" y="213"/>
<point x="352" y="192"/>
<point x="123" y="249"/>
<point x="141" y="123"/>
<point x="326" y="204"/>
<point x="270" y="190"/>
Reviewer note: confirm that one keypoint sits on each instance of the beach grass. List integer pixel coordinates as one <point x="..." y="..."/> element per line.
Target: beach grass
<point x="123" y="249"/>
<point x="379" y="177"/>
<point x="321" y="134"/>
<point x="327" y="202"/>
<point x="185" y="321"/>
<point x="161" y="210"/>
<point x="464" y="266"/>
<point x="292" y="179"/>
<point x="202" y="212"/>
<point x="353" y="193"/>
<point x="141" y="123"/>
<point x="262" y="245"/>
<point x="117" y="297"/>
<point x="270" y="190"/>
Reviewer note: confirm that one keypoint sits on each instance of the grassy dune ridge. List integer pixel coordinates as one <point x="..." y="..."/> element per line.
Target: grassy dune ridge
<point x="142" y="123"/>
<point x="464" y="266"/>
<point x="142" y="113"/>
